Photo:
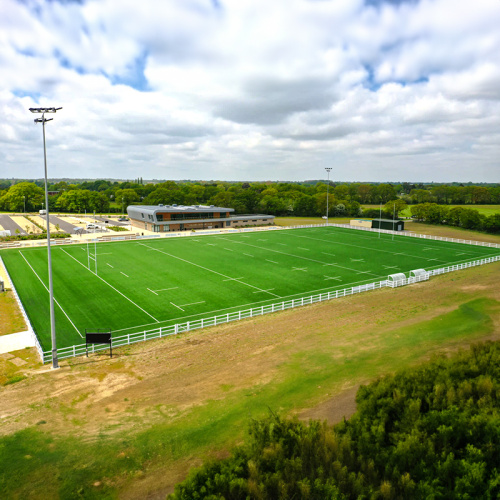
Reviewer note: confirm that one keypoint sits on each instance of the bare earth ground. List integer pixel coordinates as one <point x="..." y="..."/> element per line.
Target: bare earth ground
<point x="148" y="381"/>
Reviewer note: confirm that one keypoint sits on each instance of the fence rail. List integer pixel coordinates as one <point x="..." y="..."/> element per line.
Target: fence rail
<point x="220" y="319"/>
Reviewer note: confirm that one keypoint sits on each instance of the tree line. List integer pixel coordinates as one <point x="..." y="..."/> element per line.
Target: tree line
<point x="426" y="432"/>
<point x="466" y="218"/>
<point x="309" y="198"/>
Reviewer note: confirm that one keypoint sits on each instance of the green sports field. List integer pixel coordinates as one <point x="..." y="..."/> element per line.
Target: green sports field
<point x="145" y="284"/>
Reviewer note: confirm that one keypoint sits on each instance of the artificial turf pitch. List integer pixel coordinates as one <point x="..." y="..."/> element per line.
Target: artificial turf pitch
<point x="145" y="284"/>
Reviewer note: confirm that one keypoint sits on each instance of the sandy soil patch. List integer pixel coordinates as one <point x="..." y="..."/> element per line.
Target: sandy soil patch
<point x="26" y="224"/>
<point x="43" y="223"/>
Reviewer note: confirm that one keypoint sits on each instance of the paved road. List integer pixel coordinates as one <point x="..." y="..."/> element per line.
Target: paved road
<point x="64" y="224"/>
<point x="7" y="223"/>
<point x="113" y="222"/>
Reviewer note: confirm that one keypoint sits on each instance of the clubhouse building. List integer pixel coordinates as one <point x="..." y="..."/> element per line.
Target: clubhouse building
<point x="165" y="218"/>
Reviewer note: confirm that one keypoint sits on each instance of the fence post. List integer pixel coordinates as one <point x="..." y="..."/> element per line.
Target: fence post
<point x="176" y="328"/>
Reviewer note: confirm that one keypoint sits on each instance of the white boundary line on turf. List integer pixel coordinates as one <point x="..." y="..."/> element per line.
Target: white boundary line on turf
<point x="59" y="305"/>
<point x="111" y="286"/>
<point x="210" y="270"/>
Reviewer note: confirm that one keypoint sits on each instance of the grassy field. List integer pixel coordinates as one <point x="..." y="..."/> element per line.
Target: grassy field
<point x="132" y="426"/>
<point x="141" y="285"/>
<point x="482" y="209"/>
<point x="12" y="320"/>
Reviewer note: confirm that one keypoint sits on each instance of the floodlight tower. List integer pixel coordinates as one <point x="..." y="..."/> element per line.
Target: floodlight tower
<point x="328" y="170"/>
<point x="42" y="120"/>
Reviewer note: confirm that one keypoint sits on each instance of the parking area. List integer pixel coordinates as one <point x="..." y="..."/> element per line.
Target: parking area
<point x="8" y="224"/>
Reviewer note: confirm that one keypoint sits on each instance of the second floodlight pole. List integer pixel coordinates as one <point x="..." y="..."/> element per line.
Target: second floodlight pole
<point x="328" y="170"/>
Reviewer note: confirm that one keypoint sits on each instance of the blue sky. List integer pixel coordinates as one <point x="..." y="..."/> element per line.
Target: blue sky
<point x="401" y="90"/>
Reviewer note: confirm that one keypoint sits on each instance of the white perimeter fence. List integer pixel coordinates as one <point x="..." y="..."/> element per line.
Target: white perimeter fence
<point x="132" y="338"/>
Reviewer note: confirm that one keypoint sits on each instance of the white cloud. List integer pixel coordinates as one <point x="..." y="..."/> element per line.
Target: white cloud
<point x="252" y="89"/>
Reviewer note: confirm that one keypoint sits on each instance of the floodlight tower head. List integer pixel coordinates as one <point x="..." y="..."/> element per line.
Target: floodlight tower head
<point x="43" y="111"/>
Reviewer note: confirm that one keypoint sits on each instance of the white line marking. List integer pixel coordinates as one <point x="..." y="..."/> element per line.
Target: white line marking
<point x="390" y="267"/>
<point x="357" y="260"/>
<point x="193" y="303"/>
<point x="326" y="253"/>
<point x="228" y="249"/>
<point x="371" y="249"/>
<point x="178" y="307"/>
<point x="284" y="244"/>
<point x="301" y="248"/>
<point x="248" y="255"/>
<point x="111" y="286"/>
<point x="299" y="294"/>
<point x="124" y="274"/>
<point x="267" y="291"/>
<point x="206" y="269"/>
<point x="332" y="264"/>
<point x="59" y="305"/>
<point x="267" y="260"/>
<point x="165" y="289"/>
<point x="109" y="265"/>
<point x="232" y="279"/>
<point x="293" y="255"/>
<point x="299" y="269"/>
<point x="152" y="291"/>
<point x="333" y="278"/>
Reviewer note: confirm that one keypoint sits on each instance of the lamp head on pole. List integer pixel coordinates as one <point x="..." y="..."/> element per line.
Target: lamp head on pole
<point x="44" y="110"/>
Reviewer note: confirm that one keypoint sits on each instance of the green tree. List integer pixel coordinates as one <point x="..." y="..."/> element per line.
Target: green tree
<point x="125" y="197"/>
<point x="23" y="192"/>
<point x="395" y="206"/>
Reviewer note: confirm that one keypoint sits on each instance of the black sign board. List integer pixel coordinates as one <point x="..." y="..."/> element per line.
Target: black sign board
<point x="98" y="338"/>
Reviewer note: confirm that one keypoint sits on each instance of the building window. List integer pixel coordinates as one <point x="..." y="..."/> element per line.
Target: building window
<point x="142" y="216"/>
<point x="159" y="217"/>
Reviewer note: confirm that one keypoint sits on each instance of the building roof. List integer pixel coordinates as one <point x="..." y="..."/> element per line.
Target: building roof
<point x="151" y="209"/>
<point x="392" y="221"/>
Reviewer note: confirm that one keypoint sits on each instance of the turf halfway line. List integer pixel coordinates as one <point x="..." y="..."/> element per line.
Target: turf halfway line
<point x="210" y="270"/>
